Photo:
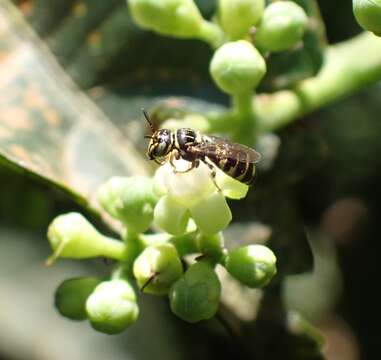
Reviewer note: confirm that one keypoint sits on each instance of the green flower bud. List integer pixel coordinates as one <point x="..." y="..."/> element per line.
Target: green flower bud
<point x="196" y="295"/>
<point x="237" y="67"/>
<point x="212" y="214"/>
<point x="130" y="200"/>
<point x="253" y="265"/>
<point x="179" y="18"/>
<point x="72" y="236"/>
<point x="71" y="296"/>
<point x="282" y="26"/>
<point x="112" y="306"/>
<point x="170" y="216"/>
<point x="211" y="245"/>
<point x="368" y="14"/>
<point x="157" y="268"/>
<point x="238" y="16"/>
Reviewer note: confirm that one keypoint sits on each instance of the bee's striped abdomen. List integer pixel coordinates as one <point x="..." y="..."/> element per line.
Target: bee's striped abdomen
<point x="249" y="175"/>
<point x="241" y="170"/>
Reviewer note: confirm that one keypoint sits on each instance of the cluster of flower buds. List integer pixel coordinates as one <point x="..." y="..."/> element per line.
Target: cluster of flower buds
<point x="189" y="210"/>
<point x="238" y="29"/>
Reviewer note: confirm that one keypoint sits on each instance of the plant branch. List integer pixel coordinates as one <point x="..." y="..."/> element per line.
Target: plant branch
<point x="244" y="118"/>
<point x="348" y="66"/>
<point x="212" y="34"/>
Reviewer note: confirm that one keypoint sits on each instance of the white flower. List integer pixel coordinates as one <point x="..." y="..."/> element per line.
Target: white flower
<point x="196" y="194"/>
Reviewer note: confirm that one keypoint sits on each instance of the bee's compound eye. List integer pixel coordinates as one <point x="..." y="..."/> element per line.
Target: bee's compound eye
<point x="160" y="148"/>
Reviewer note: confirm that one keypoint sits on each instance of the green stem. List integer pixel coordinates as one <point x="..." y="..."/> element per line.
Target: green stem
<point x="134" y="246"/>
<point x="243" y="104"/>
<point x="244" y="118"/>
<point x="185" y="244"/>
<point x="115" y="249"/>
<point x="152" y="239"/>
<point x="299" y="325"/>
<point x="212" y="246"/>
<point x="212" y="34"/>
<point x="119" y="273"/>
<point x="348" y="66"/>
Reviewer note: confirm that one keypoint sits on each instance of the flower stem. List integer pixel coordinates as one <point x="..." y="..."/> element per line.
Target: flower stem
<point x="244" y="123"/>
<point x="212" y="34"/>
<point x="115" y="249"/>
<point x="134" y="246"/>
<point x="348" y="67"/>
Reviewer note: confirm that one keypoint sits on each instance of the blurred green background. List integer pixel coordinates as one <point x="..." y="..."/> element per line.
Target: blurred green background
<point x="327" y="173"/>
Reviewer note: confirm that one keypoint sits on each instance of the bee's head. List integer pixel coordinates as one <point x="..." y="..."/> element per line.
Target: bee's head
<point x="160" y="144"/>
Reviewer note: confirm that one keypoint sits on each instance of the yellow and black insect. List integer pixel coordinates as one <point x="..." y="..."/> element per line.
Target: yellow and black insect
<point x="235" y="160"/>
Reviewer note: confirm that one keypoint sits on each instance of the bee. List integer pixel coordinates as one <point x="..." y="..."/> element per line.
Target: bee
<point x="235" y="160"/>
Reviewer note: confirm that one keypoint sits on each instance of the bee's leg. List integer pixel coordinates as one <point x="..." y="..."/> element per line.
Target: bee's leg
<point x="159" y="162"/>
<point x="175" y="155"/>
<point x="193" y="165"/>
<point x="213" y="174"/>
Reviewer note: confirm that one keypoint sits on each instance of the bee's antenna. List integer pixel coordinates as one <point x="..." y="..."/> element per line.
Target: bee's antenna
<point x="148" y="120"/>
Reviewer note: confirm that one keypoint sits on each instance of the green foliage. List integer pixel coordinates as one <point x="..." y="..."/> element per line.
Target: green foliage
<point x="53" y="131"/>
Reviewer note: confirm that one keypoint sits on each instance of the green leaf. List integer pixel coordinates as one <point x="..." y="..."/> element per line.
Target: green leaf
<point x="48" y="128"/>
<point x="97" y="41"/>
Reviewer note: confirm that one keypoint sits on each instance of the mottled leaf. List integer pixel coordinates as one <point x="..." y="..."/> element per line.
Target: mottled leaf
<point x="97" y="41"/>
<point x="47" y="126"/>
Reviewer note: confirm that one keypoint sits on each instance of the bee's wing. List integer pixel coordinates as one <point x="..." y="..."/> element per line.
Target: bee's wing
<point x="227" y="149"/>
